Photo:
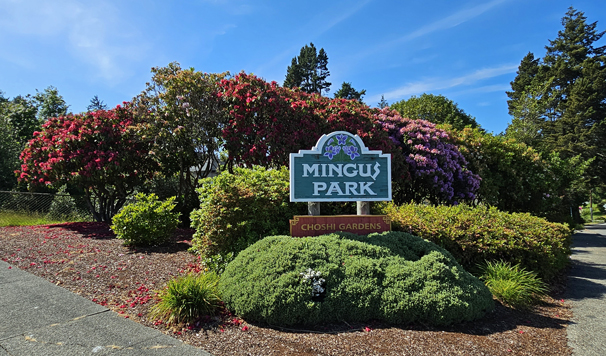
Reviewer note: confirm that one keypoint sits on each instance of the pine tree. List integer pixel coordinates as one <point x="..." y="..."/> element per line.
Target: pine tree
<point x="309" y="70"/>
<point x="383" y="103"/>
<point x="96" y="104"/>
<point x="578" y="90"/>
<point x="349" y="92"/>
<point x="565" y="100"/>
<point x="527" y="71"/>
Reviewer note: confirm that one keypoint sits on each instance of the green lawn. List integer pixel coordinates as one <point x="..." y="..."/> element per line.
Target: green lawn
<point x="9" y="218"/>
<point x="598" y="215"/>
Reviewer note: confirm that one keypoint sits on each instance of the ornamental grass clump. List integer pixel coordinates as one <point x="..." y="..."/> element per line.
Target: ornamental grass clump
<point x="187" y="298"/>
<point x="147" y="222"/>
<point x="513" y="285"/>
<point x="393" y="277"/>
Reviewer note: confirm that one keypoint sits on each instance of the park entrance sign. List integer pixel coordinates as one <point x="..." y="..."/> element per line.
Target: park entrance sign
<point x="340" y="168"/>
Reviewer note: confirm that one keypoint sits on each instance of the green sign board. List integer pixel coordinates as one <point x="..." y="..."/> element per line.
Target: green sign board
<point x="340" y="168"/>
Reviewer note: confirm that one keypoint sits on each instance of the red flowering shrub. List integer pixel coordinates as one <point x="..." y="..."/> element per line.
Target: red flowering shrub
<point x="94" y="151"/>
<point x="268" y="122"/>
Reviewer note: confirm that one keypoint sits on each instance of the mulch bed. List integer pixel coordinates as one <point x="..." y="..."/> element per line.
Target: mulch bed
<point x="88" y="260"/>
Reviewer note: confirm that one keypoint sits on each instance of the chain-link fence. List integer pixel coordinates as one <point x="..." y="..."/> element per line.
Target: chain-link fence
<point x="25" y="208"/>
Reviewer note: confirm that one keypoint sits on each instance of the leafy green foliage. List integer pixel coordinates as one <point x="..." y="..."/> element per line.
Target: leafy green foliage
<point x="217" y="263"/>
<point x="475" y="235"/>
<point x="50" y="103"/>
<point x="434" y="108"/>
<point x="394" y="277"/>
<point x="512" y="285"/>
<point x="383" y="103"/>
<point x="517" y="178"/>
<point x="64" y="207"/>
<point x="527" y="71"/>
<point x="186" y="298"/>
<point x="96" y="104"/>
<point x="146" y="222"/>
<point x="9" y="155"/>
<point x="239" y="209"/>
<point x="183" y="114"/>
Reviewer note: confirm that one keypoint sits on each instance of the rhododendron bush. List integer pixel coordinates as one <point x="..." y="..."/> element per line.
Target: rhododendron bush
<point x="438" y="171"/>
<point x="95" y="151"/>
<point x="267" y="122"/>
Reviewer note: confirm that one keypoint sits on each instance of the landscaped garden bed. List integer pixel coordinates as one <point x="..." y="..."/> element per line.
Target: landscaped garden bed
<point x="86" y="259"/>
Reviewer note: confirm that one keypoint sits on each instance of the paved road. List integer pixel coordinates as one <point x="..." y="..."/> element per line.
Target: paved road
<point x="42" y="319"/>
<point x="587" y="291"/>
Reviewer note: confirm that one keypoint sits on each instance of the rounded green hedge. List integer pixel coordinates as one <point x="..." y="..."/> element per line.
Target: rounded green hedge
<point x="394" y="277"/>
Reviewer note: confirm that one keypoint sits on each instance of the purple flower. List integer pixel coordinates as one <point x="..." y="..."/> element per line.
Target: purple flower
<point x="342" y="139"/>
<point x="352" y="151"/>
<point x="331" y="151"/>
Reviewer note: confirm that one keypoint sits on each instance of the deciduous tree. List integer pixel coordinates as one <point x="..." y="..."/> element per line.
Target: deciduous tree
<point x="434" y="108"/>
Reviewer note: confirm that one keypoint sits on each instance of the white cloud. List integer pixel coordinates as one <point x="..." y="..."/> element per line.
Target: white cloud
<point x="451" y="21"/>
<point x="445" y="23"/>
<point x="434" y="84"/>
<point x="314" y="29"/>
<point x="93" y="32"/>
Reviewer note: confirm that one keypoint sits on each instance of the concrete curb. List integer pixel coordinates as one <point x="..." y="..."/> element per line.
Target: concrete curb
<point x="40" y="318"/>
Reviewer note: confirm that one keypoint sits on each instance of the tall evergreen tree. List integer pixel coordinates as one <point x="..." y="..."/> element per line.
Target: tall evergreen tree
<point x="577" y="116"/>
<point x="383" y="103"/>
<point x="309" y="70"/>
<point x="96" y="104"/>
<point x="566" y="98"/>
<point x="527" y="71"/>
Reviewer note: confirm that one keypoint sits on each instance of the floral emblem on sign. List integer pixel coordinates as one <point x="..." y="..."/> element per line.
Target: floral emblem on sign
<point x="341" y="144"/>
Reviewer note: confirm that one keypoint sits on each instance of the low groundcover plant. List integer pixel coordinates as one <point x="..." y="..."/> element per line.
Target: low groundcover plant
<point x="394" y="277"/>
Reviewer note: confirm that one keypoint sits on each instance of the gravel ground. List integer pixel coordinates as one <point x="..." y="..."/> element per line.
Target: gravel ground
<point x="86" y="259"/>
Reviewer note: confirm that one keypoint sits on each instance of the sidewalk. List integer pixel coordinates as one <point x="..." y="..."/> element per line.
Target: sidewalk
<point x="40" y="318"/>
<point x="587" y="292"/>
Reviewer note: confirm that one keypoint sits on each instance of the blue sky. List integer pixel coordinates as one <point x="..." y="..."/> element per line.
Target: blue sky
<point x="467" y="51"/>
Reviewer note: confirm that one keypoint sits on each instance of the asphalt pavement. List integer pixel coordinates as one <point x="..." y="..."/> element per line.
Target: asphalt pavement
<point x="587" y="292"/>
<point x="38" y="318"/>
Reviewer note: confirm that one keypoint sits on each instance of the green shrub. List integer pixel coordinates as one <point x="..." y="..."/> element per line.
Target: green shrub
<point x="394" y="277"/>
<point x="146" y="222"/>
<point x="217" y="263"/>
<point x="475" y="235"/>
<point x="187" y="298"/>
<point x="513" y="285"/>
<point x="239" y="209"/>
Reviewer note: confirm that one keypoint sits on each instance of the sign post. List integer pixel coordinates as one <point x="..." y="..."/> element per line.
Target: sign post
<point x="339" y="168"/>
